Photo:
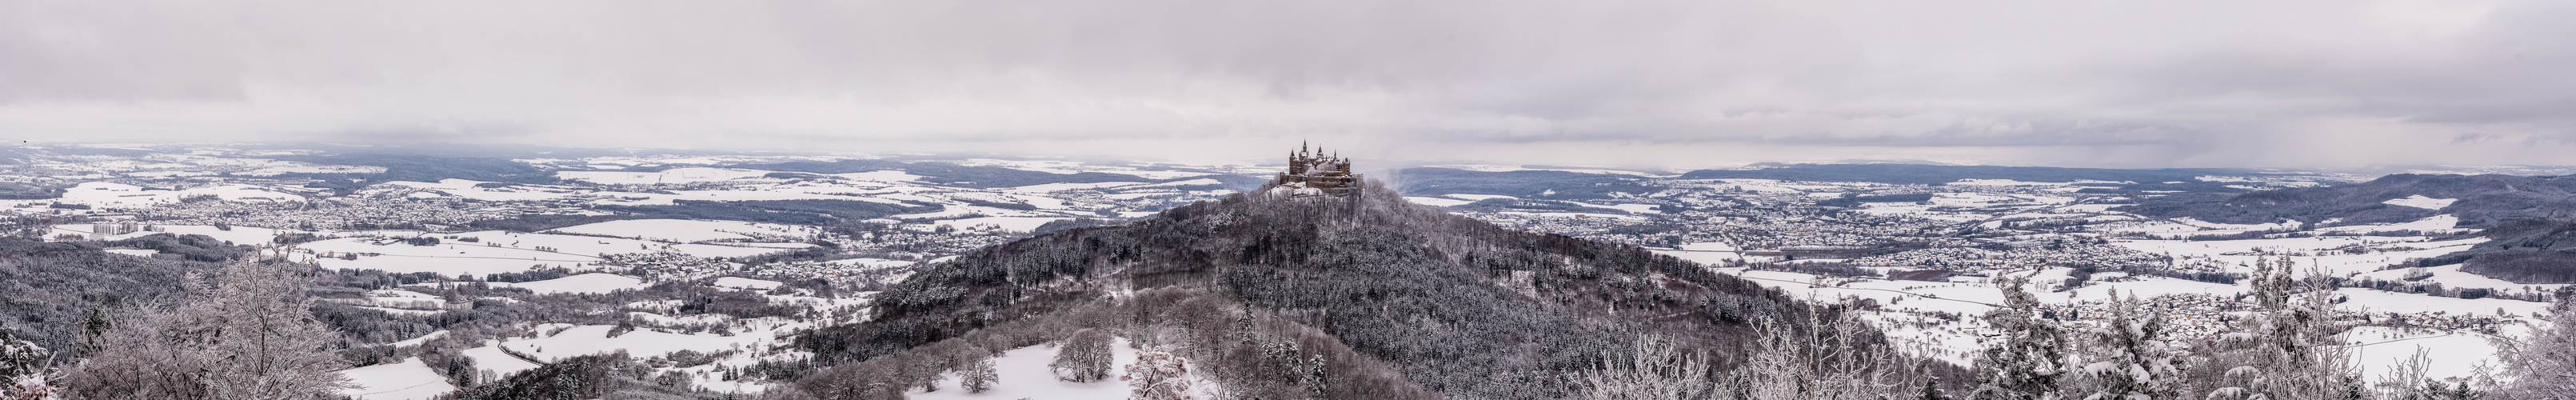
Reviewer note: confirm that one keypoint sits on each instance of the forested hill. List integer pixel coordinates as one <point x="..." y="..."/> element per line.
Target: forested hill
<point x="2482" y="201"/>
<point x="1278" y="296"/>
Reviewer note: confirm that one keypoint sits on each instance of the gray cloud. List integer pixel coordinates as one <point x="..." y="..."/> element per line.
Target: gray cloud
<point x="1647" y="83"/>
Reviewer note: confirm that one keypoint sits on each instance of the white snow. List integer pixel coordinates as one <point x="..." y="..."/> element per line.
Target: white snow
<point x="118" y="195"/>
<point x="467" y="189"/>
<point x="746" y="283"/>
<point x="584" y="283"/>
<point x="2419" y="201"/>
<point x="1435" y="201"/>
<point x="639" y="343"/>
<point x="407" y="380"/>
<point x="674" y="175"/>
<point x="1024" y="375"/>
<point x="490" y="357"/>
<point x="2450" y="354"/>
<point x="1021" y="224"/>
<point x="446" y="258"/>
<point x="422" y="339"/>
<point x="678" y="230"/>
<point x="2442" y="222"/>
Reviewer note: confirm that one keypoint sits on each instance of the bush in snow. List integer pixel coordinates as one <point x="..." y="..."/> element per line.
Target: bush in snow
<point x="1085" y="357"/>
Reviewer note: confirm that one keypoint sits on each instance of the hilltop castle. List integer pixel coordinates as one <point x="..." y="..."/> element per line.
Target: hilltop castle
<point x="1313" y="169"/>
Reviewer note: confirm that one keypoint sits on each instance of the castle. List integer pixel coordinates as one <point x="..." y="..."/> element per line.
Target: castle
<point x="1315" y="170"/>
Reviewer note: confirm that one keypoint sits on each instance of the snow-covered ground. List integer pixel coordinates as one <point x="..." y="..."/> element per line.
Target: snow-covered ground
<point x="641" y="342"/>
<point x="1018" y="224"/>
<point x="1024" y="375"/>
<point x="682" y="230"/>
<point x="2450" y="354"/>
<point x="584" y="283"/>
<point x="406" y="380"/>
<point x="745" y="283"/>
<point x="2419" y="201"/>
<point x="492" y="358"/>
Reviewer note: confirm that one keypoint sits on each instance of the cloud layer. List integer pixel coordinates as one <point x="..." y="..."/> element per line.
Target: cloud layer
<point x="1644" y="83"/>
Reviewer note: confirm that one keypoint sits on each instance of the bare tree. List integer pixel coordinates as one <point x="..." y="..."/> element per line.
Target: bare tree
<point x="977" y="375"/>
<point x="1654" y="370"/>
<point x="248" y="335"/>
<point x="266" y="343"/>
<point x="1085" y="357"/>
<point x="2543" y="366"/>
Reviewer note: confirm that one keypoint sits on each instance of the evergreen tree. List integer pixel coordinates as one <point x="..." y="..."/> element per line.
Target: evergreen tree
<point x="2286" y="351"/>
<point x="2130" y="359"/>
<point x="2026" y="361"/>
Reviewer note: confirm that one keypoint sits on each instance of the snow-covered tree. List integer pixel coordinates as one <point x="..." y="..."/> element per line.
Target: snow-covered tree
<point x="2026" y="359"/>
<point x="2129" y="359"/>
<point x="2543" y="366"/>
<point x="2412" y="380"/>
<point x="1654" y="370"/>
<point x="22" y="369"/>
<point x="250" y="334"/>
<point x="1931" y="390"/>
<point x="2286" y="350"/>
<point x="1816" y="354"/>
<point x="266" y="343"/>
<point x="1158" y="375"/>
<point x="1085" y="357"/>
<point x="149" y="353"/>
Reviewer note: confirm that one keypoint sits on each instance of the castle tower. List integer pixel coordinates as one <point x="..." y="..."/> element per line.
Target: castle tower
<point x="1314" y="168"/>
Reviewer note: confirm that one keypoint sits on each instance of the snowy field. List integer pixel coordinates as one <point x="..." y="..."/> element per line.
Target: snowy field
<point x="407" y="380"/>
<point x="1024" y="375"/>
<point x="685" y="231"/>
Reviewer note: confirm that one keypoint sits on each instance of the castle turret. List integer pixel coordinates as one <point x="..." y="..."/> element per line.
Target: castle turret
<point x="1315" y="168"/>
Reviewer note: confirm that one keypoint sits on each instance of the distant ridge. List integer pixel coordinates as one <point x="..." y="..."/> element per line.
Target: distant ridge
<point x="2484" y="200"/>
<point x="1921" y="174"/>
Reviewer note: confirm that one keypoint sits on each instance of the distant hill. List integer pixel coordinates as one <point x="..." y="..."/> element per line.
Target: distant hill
<point x="1563" y="185"/>
<point x="2483" y="201"/>
<point x="1394" y="300"/>
<point x="2521" y="251"/>
<point x="979" y="176"/>
<point x="1918" y="174"/>
<point x="417" y="168"/>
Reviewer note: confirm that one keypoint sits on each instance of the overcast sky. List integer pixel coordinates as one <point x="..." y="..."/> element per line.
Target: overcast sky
<point x="1638" y="83"/>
